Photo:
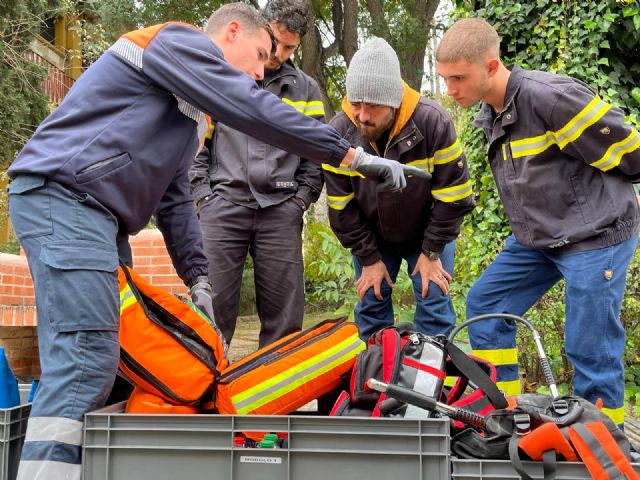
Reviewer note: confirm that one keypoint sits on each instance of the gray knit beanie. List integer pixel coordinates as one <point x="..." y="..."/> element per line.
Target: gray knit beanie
<point x="374" y="75"/>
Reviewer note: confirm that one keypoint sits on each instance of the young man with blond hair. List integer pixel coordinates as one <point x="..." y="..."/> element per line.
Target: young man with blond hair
<point x="564" y="162"/>
<point x="116" y="151"/>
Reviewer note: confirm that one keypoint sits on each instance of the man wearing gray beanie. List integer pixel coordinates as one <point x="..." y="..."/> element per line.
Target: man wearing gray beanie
<point x="385" y="117"/>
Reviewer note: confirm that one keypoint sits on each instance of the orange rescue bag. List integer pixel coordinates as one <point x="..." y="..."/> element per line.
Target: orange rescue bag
<point x="166" y="347"/>
<point x="287" y="374"/>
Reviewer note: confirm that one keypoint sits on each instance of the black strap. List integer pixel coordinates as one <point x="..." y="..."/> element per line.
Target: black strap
<point x="515" y="458"/>
<point x="473" y="372"/>
<point x="549" y="464"/>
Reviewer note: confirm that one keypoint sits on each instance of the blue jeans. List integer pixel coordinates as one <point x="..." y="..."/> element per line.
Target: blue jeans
<point x="594" y="336"/>
<point x="434" y="314"/>
<point x="70" y="243"/>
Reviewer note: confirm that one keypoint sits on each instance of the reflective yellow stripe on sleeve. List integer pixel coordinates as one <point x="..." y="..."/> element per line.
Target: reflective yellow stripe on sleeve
<point x="448" y="154"/>
<point x="425" y="164"/>
<point x="339" y="202"/>
<point x="452" y="194"/>
<point x="615" y="152"/>
<point x="341" y="170"/>
<point x="440" y="157"/>
<point x="127" y="298"/>
<point x="589" y="115"/>
<point x="314" y="107"/>
<point x="615" y="414"/>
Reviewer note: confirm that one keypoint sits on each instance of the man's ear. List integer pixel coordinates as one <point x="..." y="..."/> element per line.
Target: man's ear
<point x="492" y="66"/>
<point x="233" y="29"/>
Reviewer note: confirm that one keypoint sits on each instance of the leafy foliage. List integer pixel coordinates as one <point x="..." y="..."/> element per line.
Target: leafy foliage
<point x="23" y="103"/>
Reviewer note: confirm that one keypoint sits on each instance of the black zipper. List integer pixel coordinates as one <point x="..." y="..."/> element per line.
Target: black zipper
<point x="274" y="353"/>
<point x="182" y="333"/>
<point x="143" y="373"/>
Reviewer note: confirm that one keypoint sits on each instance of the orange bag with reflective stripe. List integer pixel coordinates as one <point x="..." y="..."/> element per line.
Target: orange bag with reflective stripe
<point x="287" y="374"/>
<point x="166" y="347"/>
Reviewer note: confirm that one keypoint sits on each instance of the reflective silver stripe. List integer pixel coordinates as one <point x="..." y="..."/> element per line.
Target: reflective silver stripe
<point x="195" y="114"/>
<point x="48" y="470"/>
<point x="54" y="429"/>
<point x="129" y="51"/>
<point x="615" y="152"/>
<point x="426" y="382"/>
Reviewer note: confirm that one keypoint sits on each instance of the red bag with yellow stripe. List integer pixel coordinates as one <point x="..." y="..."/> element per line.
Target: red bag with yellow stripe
<point x="285" y="375"/>
<point x="166" y="347"/>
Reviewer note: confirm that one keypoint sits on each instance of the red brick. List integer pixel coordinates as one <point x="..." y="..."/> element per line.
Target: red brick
<point x="30" y="317"/>
<point x="161" y="260"/>
<point x="24" y="291"/>
<point x="162" y="270"/>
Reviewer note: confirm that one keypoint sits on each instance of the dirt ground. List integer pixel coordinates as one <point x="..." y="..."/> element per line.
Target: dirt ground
<point x="245" y="340"/>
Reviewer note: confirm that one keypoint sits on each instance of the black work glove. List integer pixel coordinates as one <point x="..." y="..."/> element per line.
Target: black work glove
<point x="390" y="174"/>
<point x="201" y="296"/>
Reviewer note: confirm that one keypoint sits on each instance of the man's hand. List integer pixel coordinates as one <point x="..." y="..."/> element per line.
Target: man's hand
<point x="389" y="173"/>
<point x="372" y="276"/>
<point x="201" y="296"/>
<point x="431" y="270"/>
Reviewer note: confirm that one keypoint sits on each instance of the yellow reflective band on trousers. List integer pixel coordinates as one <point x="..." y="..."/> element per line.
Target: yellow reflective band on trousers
<point x="339" y="202"/>
<point x="615" y="414"/>
<point x="452" y="194"/>
<point x="510" y="387"/>
<point x="441" y="157"/>
<point x="314" y="107"/>
<point x="615" y="152"/>
<point x="589" y="115"/>
<point x="127" y="298"/>
<point x="298" y="375"/>
<point x="341" y="170"/>
<point x="503" y="356"/>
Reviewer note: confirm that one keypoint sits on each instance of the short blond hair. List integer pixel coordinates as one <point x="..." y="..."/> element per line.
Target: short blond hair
<point x="247" y="16"/>
<point x="470" y="39"/>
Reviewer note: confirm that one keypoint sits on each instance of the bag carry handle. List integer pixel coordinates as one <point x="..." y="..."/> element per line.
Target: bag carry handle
<point x="544" y="361"/>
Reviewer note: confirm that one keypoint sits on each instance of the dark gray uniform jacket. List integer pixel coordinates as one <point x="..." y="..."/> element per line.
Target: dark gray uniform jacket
<point x="564" y="162"/>
<point x="251" y="173"/>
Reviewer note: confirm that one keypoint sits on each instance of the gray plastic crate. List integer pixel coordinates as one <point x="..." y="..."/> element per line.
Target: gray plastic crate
<point x="121" y="446"/>
<point x="13" y="426"/>
<point x="502" y="469"/>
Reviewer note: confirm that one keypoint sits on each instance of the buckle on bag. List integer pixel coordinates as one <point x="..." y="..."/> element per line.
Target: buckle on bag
<point x="522" y="422"/>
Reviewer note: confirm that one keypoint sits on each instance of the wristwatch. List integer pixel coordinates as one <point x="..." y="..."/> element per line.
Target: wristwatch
<point x="431" y="255"/>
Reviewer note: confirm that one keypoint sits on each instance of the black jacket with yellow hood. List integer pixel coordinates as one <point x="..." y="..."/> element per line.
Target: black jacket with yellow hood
<point x="422" y="136"/>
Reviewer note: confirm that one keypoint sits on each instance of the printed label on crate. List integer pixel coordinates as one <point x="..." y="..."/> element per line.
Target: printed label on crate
<point x="246" y="459"/>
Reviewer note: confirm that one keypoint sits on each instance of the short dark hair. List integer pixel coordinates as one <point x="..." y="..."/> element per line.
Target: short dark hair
<point x="295" y="15"/>
<point x="247" y="16"/>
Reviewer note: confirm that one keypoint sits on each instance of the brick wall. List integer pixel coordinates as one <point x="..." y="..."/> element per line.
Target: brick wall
<point x="18" y="320"/>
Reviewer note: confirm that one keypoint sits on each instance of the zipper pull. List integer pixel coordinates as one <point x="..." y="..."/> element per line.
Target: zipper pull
<point x="414" y="338"/>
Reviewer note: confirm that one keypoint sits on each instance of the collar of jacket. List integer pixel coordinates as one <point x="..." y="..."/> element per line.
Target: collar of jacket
<point x="410" y="99"/>
<point x="287" y="69"/>
<point x="486" y="116"/>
